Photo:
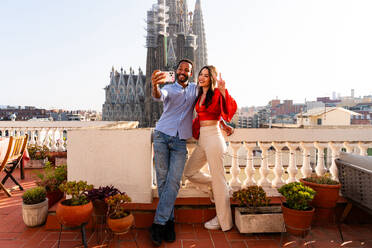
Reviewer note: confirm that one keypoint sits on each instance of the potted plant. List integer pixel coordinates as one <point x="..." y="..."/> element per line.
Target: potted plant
<point x="118" y="219"/>
<point x="325" y="200"/>
<point x="34" y="207"/>
<point x="255" y="215"/>
<point x="38" y="156"/>
<point x="98" y="196"/>
<point x="50" y="179"/>
<point x="297" y="212"/>
<point x="77" y="209"/>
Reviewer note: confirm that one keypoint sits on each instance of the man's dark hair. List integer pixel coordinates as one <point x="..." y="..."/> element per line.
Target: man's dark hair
<point x="187" y="61"/>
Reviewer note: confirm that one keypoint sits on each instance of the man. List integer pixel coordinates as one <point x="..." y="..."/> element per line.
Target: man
<point x="170" y="153"/>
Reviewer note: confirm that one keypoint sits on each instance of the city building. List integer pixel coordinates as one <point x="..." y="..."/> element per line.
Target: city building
<point x="328" y="116"/>
<point x="20" y="113"/>
<point x="173" y="33"/>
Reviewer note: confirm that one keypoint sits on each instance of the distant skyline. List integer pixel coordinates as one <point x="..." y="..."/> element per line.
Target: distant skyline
<point x="58" y="54"/>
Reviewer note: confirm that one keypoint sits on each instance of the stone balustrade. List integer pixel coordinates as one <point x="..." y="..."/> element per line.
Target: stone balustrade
<point x="52" y="134"/>
<point x="288" y="154"/>
<point x="267" y="157"/>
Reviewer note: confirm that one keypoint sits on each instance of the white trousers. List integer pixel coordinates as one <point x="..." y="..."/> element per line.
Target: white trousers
<point x="211" y="148"/>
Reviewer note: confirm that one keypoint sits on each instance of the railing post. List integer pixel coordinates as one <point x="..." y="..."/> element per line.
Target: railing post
<point x="292" y="168"/>
<point x="53" y="146"/>
<point x="235" y="170"/>
<point x="320" y="167"/>
<point x="278" y="169"/>
<point x="335" y="147"/>
<point x="249" y="168"/>
<point x="306" y="168"/>
<point x="264" y="169"/>
<point x="363" y="148"/>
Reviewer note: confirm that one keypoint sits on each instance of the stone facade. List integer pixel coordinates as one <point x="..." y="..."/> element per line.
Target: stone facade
<point x="173" y="33"/>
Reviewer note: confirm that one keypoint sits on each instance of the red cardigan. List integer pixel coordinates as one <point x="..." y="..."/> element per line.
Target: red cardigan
<point x="220" y="106"/>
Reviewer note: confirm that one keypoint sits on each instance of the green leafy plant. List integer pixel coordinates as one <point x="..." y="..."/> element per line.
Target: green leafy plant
<point x="34" y="195"/>
<point x="51" y="177"/>
<point x="297" y="195"/>
<point x="116" y="205"/>
<point x="252" y="196"/>
<point x="321" y="180"/>
<point x="37" y="152"/>
<point x="77" y="191"/>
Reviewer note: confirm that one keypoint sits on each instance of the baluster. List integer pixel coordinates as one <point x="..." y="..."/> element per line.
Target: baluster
<point x="39" y="142"/>
<point x="235" y="170"/>
<point x="264" y="169"/>
<point x="60" y="141"/>
<point x="363" y="148"/>
<point x="278" y="169"/>
<point x="306" y="168"/>
<point x="335" y="147"/>
<point x="320" y="167"/>
<point x="64" y="142"/>
<point x="292" y="168"/>
<point x="348" y="146"/>
<point x="46" y="139"/>
<point x="53" y="146"/>
<point x="2" y="132"/>
<point x="249" y="168"/>
<point x="32" y="139"/>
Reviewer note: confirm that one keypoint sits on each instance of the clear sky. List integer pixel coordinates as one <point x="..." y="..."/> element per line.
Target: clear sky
<point x="58" y="54"/>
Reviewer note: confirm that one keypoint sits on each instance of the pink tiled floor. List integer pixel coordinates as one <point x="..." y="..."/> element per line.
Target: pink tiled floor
<point x="13" y="233"/>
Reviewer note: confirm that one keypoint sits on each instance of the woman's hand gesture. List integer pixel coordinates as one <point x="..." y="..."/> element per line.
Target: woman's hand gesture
<point x="221" y="84"/>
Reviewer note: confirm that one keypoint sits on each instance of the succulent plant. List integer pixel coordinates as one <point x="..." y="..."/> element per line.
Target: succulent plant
<point x="252" y="196"/>
<point x="116" y="205"/>
<point x="102" y="192"/>
<point x="77" y="190"/>
<point x="297" y="195"/>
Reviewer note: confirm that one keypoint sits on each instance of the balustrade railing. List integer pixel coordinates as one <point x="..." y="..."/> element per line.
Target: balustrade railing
<point x="52" y="134"/>
<point x="273" y="157"/>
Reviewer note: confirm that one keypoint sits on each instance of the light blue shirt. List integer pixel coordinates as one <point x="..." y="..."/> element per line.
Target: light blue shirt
<point x="178" y="109"/>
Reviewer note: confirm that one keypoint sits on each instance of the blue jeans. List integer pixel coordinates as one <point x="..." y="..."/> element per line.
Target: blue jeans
<point x="170" y="155"/>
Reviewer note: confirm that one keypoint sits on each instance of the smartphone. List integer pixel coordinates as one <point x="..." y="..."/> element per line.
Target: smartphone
<point x="170" y="76"/>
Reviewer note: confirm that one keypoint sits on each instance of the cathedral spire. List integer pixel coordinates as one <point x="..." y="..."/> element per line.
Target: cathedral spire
<point x="201" y="44"/>
<point x="172" y="59"/>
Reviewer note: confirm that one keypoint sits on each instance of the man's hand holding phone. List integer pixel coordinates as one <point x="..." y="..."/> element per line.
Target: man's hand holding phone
<point x="162" y="77"/>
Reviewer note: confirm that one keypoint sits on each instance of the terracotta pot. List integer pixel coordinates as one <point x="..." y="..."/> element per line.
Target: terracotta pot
<point x="326" y="195"/>
<point x="73" y="215"/>
<point x="297" y="222"/>
<point x="122" y="225"/>
<point x="54" y="197"/>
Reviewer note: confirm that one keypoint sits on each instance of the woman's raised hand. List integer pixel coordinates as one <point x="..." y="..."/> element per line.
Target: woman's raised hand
<point x="221" y="84"/>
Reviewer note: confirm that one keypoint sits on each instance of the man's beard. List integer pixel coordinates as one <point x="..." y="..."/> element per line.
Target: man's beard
<point x="182" y="80"/>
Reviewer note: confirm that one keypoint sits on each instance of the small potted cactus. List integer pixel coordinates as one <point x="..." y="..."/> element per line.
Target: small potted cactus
<point x="255" y="214"/>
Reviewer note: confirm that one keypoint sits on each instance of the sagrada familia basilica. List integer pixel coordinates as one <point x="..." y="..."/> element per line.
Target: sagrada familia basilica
<point x="173" y="33"/>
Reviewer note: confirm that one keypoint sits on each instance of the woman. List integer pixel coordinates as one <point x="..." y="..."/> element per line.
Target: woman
<point x="212" y="104"/>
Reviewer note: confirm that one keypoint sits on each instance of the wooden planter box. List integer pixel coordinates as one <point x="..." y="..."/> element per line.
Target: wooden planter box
<point x="263" y="220"/>
<point x="35" y="164"/>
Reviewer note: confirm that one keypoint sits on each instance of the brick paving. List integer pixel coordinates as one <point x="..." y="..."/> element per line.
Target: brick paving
<point x="13" y="233"/>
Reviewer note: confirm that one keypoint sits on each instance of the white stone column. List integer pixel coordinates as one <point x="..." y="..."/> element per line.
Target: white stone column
<point x="235" y="170"/>
<point x="32" y="139"/>
<point x="320" y="167"/>
<point x="249" y="168"/>
<point x="53" y="146"/>
<point x="39" y="142"/>
<point x="264" y="169"/>
<point x="278" y="169"/>
<point x="306" y="169"/>
<point x="292" y="168"/>
<point x="47" y="140"/>
<point x="335" y="147"/>
<point x="363" y="147"/>
<point x="349" y="147"/>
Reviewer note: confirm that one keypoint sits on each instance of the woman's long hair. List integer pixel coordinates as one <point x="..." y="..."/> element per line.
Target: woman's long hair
<point x="212" y="75"/>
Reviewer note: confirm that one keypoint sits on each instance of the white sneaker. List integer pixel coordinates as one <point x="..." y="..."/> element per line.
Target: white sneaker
<point x="212" y="224"/>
